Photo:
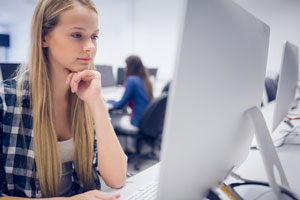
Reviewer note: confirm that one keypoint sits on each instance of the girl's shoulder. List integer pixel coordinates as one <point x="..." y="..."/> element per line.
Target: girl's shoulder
<point x="9" y="91"/>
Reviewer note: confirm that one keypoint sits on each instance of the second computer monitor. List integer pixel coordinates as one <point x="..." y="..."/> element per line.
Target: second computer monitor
<point x="121" y="74"/>
<point x="219" y="75"/>
<point x="287" y="84"/>
<point x="107" y="77"/>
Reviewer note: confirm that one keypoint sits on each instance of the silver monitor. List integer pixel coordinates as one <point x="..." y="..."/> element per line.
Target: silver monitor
<point x="219" y="74"/>
<point x="287" y="84"/>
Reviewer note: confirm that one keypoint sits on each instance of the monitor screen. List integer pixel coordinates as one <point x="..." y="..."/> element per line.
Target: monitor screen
<point x="287" y="84"/>
<point x="4" y="40"/>
<point x="107" y="77"/>
<point x="219" y="75"/>
<point x="121" y="74"/>
<point x="152" y="71"/>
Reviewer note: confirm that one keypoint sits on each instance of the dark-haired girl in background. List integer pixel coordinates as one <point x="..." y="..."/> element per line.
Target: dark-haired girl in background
<point x="138" y="89"/>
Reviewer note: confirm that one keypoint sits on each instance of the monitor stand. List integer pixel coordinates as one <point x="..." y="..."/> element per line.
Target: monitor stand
<point x="268" y="153"/>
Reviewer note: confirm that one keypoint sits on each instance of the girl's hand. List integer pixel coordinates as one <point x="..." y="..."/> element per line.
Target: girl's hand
<point x="86" y="84"/>
<point x="95" y="195"/>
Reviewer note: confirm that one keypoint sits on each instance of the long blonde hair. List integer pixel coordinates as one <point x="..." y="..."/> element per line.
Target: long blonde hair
<point x="47" y="158"/>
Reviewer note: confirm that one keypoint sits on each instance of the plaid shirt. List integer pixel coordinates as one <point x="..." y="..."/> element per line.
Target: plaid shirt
<point x="18" y="175"/>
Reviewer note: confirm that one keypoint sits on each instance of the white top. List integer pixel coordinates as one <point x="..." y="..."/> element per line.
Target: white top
<point x="66" y="150"/>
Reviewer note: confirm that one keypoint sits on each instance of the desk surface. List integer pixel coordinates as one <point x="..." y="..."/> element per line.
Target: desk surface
<point x="115" y="93"/>
<point x="137" y="181"/>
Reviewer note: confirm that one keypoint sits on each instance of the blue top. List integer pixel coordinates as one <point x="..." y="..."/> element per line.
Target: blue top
<point x="136" y="92"/>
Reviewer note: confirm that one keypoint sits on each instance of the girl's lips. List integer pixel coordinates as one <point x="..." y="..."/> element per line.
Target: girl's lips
<point x="85" y="59"/>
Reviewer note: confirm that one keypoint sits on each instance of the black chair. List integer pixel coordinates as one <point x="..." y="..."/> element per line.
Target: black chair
<point x="271" y="88"/>
<point x="166" y="88"/>
<point x="149" y="130"/>
<point x="153" y="71"/>
<point x="120" y="76"/>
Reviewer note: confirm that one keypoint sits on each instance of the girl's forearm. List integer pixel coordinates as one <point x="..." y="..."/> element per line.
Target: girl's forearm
<point x="112" y="160"/>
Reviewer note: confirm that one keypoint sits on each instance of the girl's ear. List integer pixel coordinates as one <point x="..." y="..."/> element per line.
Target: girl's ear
<point x="45" y="41"/>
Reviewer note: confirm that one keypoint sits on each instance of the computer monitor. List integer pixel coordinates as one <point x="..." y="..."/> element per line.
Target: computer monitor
<point x="107" y="77"/>
<point x="152" y="71"/>
<point x="219" y="75"/>
<point x="121" y="74"/>
<point x="287" y="84"/>
<point x="8" y="70"/>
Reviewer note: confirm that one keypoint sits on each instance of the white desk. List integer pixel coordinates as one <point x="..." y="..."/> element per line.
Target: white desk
<point x="137" y="181"/>
<point x="115" y="93"/>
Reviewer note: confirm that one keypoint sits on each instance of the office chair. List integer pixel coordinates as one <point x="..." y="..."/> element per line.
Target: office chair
<point x="271" y="87"/>
<point x="120" y="76"/>
<point x="166" y="88"/>
<point x="153" y="71"/>
<point x="149" y="129"/>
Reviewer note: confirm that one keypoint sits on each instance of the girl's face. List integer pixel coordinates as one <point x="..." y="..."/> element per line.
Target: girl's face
<point x="72" y="44"/>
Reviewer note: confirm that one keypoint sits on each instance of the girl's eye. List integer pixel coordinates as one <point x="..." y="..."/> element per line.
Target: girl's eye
<point x="95" y="37"/>
<point x="76" y="35"/>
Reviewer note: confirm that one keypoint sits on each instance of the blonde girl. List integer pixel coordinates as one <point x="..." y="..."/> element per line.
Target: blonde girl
<point x="55" y="133"/>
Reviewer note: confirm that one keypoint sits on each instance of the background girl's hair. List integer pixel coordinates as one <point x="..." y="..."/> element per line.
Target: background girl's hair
<point x="47" y="158"/>
<point x="135" y="67"/>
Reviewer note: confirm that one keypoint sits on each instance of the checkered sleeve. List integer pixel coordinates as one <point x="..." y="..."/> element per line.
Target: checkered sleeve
<point x="2" y="172"/>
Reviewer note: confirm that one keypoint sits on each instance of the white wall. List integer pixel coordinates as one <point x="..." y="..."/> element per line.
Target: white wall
<point x="155" y="36"/>
<point x="150" y="29"/>
<point x="17" y="16"/>
<point x="145" y="28"/>
<point x="19" y="41"/>
<point x="115" y="38"/>
<point x="283" y="17"/>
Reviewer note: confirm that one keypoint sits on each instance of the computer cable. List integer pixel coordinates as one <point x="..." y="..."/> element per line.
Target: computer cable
<point x="287" y="133"/>
<point x="283" y="138"/>
<point x="293" y="114"/>
<point x="282" y="189"/>
<point x="212" y="195"/>
<point x="233" y="195"/>
<point x="293" y="118"/>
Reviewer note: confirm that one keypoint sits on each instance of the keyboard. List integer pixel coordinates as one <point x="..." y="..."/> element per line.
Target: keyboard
<point x="148" y="192"/>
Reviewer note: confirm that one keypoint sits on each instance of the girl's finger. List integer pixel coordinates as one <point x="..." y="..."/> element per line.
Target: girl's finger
<point x="87" y="75"/>
<point x="67" y="72"/>
<point x="73" y="83"/>
<point x="106" y="196"/>
<point x="69" y="77"/>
